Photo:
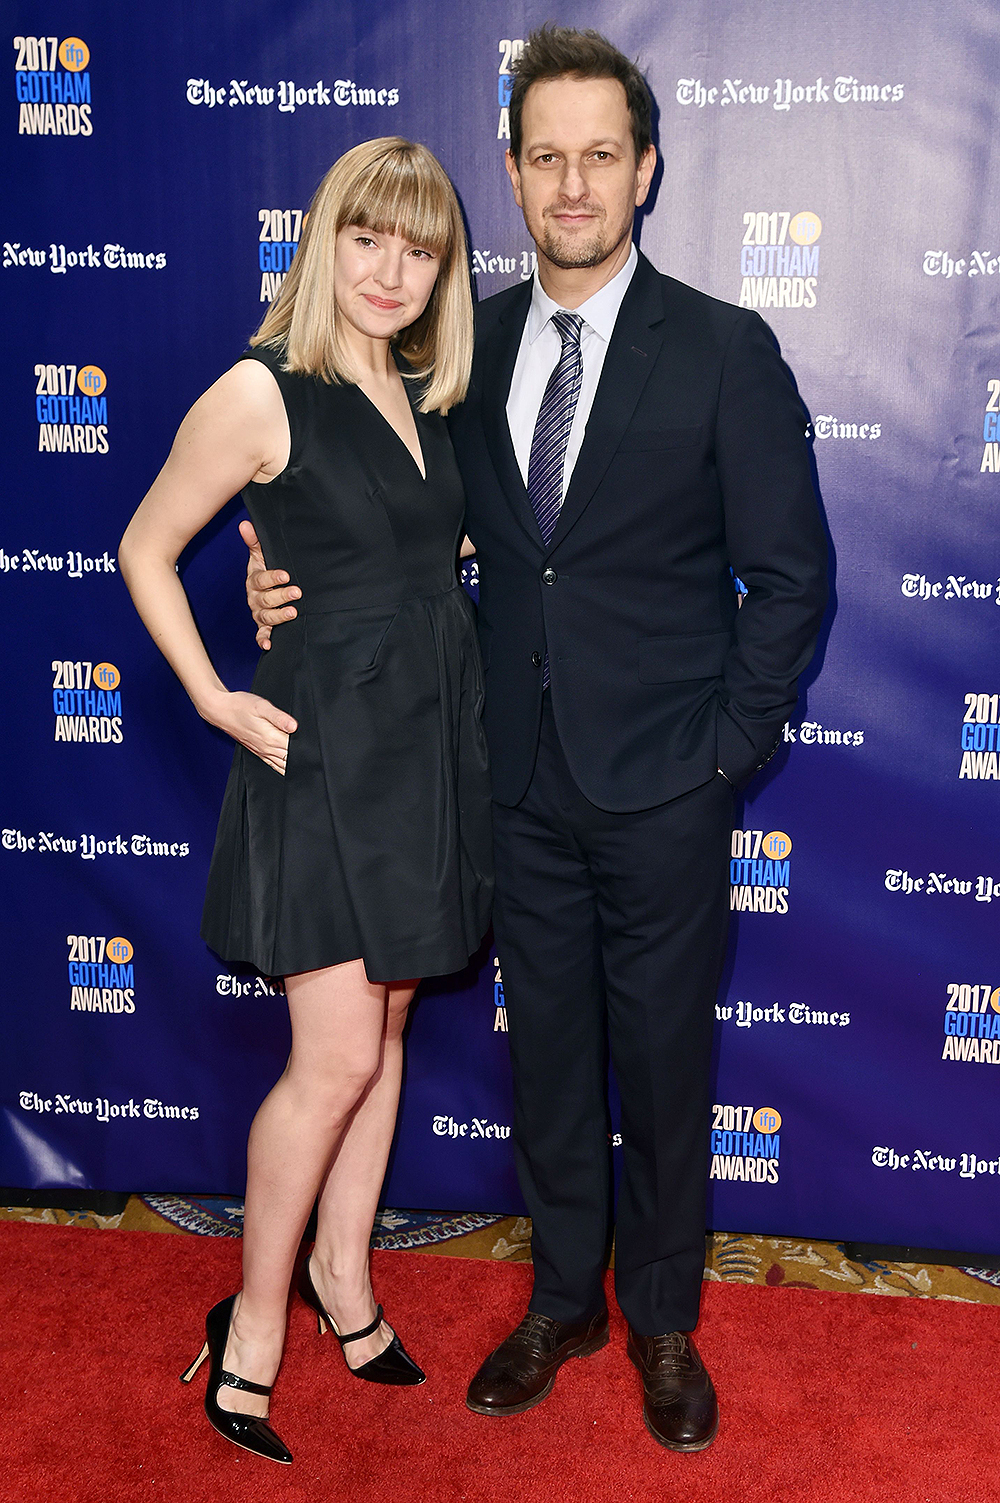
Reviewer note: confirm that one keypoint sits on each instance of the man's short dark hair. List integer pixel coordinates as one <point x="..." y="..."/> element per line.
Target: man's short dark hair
<point x="561" y="52"/>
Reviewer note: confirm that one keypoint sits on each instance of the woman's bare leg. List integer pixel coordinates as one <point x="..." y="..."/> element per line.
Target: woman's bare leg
<point x="349" y="1197"/>
<point x="338" y="1027"/>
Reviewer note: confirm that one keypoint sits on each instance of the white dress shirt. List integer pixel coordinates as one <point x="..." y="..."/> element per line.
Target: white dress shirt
<point x="539" y="354"/>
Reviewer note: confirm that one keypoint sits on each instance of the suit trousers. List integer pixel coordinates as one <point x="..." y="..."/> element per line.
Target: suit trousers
<point x="612" y="927"/>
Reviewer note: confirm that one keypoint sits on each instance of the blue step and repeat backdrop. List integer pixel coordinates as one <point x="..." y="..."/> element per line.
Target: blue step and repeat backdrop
<point x="834" y="167"/>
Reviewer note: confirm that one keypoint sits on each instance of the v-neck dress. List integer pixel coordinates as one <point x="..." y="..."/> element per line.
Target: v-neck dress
<point x="375" y="844"/>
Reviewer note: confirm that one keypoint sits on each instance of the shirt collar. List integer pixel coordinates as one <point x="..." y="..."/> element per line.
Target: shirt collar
<point x="598" y="312"/>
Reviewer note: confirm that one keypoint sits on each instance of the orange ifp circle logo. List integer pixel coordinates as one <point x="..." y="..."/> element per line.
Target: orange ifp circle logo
<point x="91" y="380"/>
<point x="806" y="227"/>
<point x="776" y="845"/>
<point x="74" y="54"/>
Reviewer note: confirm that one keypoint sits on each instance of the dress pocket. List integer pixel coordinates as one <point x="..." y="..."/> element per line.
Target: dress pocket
<point x="376" y="646"/>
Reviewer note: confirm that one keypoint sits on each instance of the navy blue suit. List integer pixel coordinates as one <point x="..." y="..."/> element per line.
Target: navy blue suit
<point x="611" y="821"/>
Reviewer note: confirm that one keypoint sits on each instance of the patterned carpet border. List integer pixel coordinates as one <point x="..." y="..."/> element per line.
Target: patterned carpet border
<point x="394" y="1230"/>
<point x="397" y="1230"/>
<point x="731" y="1257"/>
<point x="984" y="1276"/>
<point x="204" y="1215"/>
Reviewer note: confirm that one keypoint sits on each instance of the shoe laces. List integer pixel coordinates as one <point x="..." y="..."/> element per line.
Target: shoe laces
<point x="671" y="1351"/>
<point x="536" y="1332"/>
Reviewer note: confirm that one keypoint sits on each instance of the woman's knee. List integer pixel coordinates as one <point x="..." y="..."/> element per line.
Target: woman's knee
<point x="338" y="1085"/>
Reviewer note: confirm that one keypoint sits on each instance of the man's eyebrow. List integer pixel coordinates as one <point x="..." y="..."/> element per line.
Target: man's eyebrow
<point x="590" y="146"/>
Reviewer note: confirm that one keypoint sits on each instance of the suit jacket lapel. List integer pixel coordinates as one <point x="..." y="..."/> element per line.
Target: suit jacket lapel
<point x="498" y="360"/>
<point x="635" y="343"/>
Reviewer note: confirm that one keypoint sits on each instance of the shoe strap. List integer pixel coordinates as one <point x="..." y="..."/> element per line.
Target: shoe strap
<point x="233" y="1380"/>
<point x="360" y="1335"/>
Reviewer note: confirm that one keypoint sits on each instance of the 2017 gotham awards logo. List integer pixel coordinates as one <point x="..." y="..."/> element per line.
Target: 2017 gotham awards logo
<point x="52" y="86"/>
<point x="510" y="49"/>
<point x="101" y="974"/>
<point x="972" y="1023"/>
<point x="745" y="1144"/>
<point x="779" y="259"/>
<point x="499" y="1002"/>
<point x="501" y="266"/>
<point x="991" y="430"/>
<point x="87" y="702"/>
<point x="277" y="242"/>
<point x="71" y="409"/>
<point x="980" y="737"/>
<point x="760" y="871"/>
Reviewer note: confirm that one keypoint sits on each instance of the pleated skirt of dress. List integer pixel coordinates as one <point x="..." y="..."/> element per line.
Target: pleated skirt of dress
<point x="376" y="841"/>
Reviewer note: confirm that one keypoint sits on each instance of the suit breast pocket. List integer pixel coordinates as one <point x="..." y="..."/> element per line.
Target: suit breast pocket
<point x="652" y="440"/>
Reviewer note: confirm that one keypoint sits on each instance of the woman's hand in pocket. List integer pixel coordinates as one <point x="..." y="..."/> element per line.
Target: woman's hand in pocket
<point x="255" y="723"/>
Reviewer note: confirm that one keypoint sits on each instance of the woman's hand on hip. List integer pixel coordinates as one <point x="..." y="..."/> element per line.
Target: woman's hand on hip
<point x="268" y="590"/>
<point x="254" y="722"/>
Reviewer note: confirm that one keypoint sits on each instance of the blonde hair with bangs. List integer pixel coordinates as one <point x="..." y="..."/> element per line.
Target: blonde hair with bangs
<point x="388" y="186"/>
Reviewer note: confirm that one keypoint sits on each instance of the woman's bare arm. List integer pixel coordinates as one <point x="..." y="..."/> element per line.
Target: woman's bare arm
<point x="235" y="433"/>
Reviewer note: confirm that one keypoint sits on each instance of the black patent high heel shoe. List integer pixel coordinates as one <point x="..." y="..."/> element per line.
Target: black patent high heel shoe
<point x="245" y="1430"/>
<point x="394" y="1365"/>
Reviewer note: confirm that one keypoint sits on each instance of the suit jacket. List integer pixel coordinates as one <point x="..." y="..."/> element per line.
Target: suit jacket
<point x="695" y="462"/>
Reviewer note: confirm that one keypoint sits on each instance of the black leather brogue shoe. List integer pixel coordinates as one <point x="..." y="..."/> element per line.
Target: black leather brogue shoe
<point x="680" y="1408"/>
<point x="522" y="1370"/>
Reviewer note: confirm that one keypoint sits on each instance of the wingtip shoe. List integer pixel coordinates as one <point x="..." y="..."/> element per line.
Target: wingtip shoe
<point x="680" y="1407"/>
<point x="522" y="1370"/>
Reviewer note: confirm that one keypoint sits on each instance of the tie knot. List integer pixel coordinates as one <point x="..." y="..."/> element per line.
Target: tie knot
<point x="568" y="325"/>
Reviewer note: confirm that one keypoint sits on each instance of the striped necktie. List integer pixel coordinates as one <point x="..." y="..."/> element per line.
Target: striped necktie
<point x="547" y="460"/>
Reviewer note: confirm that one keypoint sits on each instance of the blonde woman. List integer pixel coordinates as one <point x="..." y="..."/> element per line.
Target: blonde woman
<point x="353" y="851"/>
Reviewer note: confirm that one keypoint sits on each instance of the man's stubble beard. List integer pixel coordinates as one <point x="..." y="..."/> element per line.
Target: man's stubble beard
<point x="574" y="258"/>
<point x="579" y="256"/>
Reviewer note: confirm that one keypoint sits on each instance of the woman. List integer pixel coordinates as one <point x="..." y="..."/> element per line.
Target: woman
<point x="353" y="847"/>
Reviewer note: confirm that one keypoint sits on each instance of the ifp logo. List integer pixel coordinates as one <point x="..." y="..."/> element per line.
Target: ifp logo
<point x="760" y="871"/>
<point x="74" y="54"/>
<point x="52" y="86"/>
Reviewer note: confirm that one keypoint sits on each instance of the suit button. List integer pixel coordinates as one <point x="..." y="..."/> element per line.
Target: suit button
<point x="536" y="660"/>
<point x="549" y="576"/>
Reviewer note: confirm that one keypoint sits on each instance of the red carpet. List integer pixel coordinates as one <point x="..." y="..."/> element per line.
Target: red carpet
<point x="825" y="1398"/>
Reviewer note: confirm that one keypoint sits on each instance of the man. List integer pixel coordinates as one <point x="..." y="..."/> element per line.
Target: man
<point x="627" y="444"/>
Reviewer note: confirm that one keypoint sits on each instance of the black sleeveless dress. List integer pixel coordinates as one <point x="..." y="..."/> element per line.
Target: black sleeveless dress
<point x="375" y="844"/>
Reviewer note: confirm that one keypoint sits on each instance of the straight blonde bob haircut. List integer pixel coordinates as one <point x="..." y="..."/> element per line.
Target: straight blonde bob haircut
<point x="392" y="187"/>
